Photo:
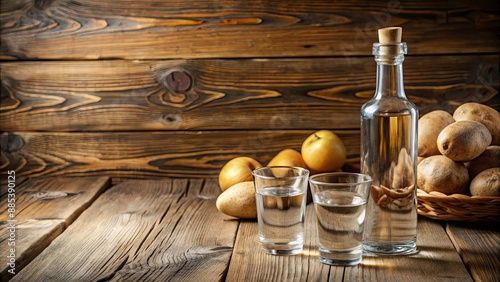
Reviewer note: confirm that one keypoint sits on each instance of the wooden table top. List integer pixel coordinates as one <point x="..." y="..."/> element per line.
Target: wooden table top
<point x="86" y="229"/>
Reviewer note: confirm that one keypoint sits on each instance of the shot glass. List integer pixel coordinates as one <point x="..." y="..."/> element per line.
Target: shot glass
<point x="340" y="204"/>
<point x="281" y="193"/>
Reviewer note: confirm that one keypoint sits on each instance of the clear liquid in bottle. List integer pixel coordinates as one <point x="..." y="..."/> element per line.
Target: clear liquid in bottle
<point x="389" y="156"/>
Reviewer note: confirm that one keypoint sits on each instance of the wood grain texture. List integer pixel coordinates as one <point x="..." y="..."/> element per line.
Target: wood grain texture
<point x="302" y="93"/>
<point x="193" y="242"/>
<point x="142" y="230"/>
<point x="170" y="230"/>
<point x="250" y="263"/>
<point x="199" y="154"/>
<point x="45" y="207"/>
<point x="435" y="261"/>
<point x="481" y="254"/>
<point x="89" y="29"/>
<point x="105" y="70"/>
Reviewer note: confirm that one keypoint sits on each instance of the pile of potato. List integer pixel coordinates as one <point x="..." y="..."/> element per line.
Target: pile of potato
<point x="460" y="153"/>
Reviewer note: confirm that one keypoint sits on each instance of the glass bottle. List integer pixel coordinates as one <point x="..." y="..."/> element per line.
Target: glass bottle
<point x="389" y="154"/>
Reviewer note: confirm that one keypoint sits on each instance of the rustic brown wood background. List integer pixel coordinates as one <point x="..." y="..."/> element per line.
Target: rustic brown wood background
<point x="177" y="88"/>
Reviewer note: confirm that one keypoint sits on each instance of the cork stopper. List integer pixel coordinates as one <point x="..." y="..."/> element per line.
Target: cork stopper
<point x="390" y="35"/>
<point x="389" y="49"/>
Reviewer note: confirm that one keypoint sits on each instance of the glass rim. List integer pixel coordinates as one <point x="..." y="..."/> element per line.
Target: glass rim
<point x="366" y="178"/>
<point x="304" y="172"/>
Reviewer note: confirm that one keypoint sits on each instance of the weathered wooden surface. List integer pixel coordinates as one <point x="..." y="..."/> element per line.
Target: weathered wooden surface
<point x="142" y="230"/>
<point x="192" y="241"/>
<point x="198" y="154"/>
<point x="247" y="99"/>
<point x="228" y="94"/>
<point x="479" y="247"/>
<point x="115" y="73"/>
<point x="434" y="246"/>
<point x="170" y="230"/>
<point x="436" y="259"/>
<point x="86" y="29"/>
<point x="44" y="208"/>
<point x="249" y="263"/>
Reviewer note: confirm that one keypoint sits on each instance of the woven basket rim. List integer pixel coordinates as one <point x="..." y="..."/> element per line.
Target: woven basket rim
<point x="462" y="197"/>
<point x="458" y="207"/>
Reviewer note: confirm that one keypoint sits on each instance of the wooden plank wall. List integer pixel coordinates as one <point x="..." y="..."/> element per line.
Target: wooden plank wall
<point x="177" y="88"/>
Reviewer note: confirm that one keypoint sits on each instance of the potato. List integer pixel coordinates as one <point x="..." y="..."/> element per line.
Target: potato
<point x="486" y="183"/>
<point x="238" y="200"/>
<point x="486" y="115"/>
<point x="429" y="127"/>
<point x="488" y="159"/>
<point x="439" y="173"/>
<point x="464" y="140"/>
<point x="419" y="159"/>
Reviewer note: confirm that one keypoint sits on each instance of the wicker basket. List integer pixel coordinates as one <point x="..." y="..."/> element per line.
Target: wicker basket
<point x="458" y="207"/>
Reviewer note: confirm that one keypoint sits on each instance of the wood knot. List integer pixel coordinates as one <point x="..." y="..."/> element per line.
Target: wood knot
<point x="11" y="142"/>
<point x="178" y="81"/>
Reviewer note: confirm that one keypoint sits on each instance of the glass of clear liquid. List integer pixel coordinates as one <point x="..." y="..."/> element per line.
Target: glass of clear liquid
<point x="281" y="193"/>
<point x="340" y="204"/>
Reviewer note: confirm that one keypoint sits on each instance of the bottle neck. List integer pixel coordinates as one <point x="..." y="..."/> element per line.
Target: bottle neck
<point x="389" y="58"/>
<point x="390" y="80"/>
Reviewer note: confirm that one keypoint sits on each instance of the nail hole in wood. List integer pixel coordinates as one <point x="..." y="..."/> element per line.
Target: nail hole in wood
<point x="170" y="118"/>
